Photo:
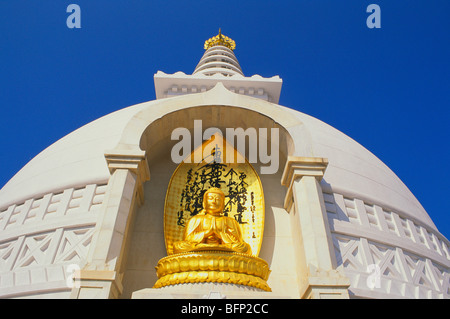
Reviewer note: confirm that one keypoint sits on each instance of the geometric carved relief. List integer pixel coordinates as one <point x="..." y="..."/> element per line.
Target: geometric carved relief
<point x="365" y="234"/>
<point x="388" y="240"/>
<point x="356" y="211"/>
<point x="8" y="250"/>
<point x="36" y="214"/>
<point x="348" y="252"/>
<point x="418" y="271"/>
<point x="69" y="202"/>
<point x="34" y="250"/>
<point x="74" y="245"/>
<point x="388" y="261"/>
<point x="42" y="258"/>
<point x="443" y="278"/>
<point x="401" y="273"/>
<point x="55" y="247"/>
<point x="41" y="236"/>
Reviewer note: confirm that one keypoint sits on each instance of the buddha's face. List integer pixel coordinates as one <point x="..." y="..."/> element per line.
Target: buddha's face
<point x="213" y="203"/>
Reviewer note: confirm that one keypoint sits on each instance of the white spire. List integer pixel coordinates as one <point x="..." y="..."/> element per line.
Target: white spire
<point x="218" y="64"/>
<point x="218" y="59"/>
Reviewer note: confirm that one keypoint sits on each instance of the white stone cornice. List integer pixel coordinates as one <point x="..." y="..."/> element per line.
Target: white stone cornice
<point x="179" y="83"/>
<point x="297" y="167"/>
<point x="134" y="161"/>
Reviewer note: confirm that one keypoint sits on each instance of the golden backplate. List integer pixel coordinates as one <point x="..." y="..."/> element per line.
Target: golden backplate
<point x="239" y="181"/>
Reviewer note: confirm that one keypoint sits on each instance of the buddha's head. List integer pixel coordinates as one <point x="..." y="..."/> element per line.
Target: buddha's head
<point x="214" y="201"/>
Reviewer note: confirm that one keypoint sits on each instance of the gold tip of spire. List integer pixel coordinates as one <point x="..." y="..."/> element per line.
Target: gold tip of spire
<point x="220" y="39"/>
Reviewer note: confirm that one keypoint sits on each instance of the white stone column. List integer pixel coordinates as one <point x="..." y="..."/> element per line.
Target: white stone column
<point x="102" y="275"/>
<point x="314" y="252"/>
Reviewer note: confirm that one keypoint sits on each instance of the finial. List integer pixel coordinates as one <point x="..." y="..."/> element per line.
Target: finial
<point x="220" y="39"/>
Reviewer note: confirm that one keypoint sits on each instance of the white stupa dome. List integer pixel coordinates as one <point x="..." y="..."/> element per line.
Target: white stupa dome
<point x="62" y="188"/>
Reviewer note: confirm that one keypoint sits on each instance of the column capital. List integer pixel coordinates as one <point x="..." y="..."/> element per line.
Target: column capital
<point x="132" y="160"/>
<point x="135" y="161"/>
<point x="298" y="167"/>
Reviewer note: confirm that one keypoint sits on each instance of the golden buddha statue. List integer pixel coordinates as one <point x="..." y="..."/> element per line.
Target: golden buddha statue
<point x="212" y="248"/>
<point x="210" y="230"/>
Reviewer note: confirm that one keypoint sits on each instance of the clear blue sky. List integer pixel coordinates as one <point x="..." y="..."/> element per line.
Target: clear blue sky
<point x="388" y="88"/>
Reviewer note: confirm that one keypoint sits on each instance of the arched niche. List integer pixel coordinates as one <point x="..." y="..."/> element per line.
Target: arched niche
<point x="147" y="245"/>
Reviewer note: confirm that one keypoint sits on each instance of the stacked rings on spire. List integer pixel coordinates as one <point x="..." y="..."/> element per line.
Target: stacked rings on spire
<point x="218" y="59"/>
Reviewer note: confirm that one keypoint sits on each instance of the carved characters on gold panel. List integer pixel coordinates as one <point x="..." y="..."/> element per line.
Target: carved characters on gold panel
<point x="239" y="182"/>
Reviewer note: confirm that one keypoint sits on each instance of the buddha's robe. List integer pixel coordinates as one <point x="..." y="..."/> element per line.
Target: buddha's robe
<point x="208" y="231"/>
